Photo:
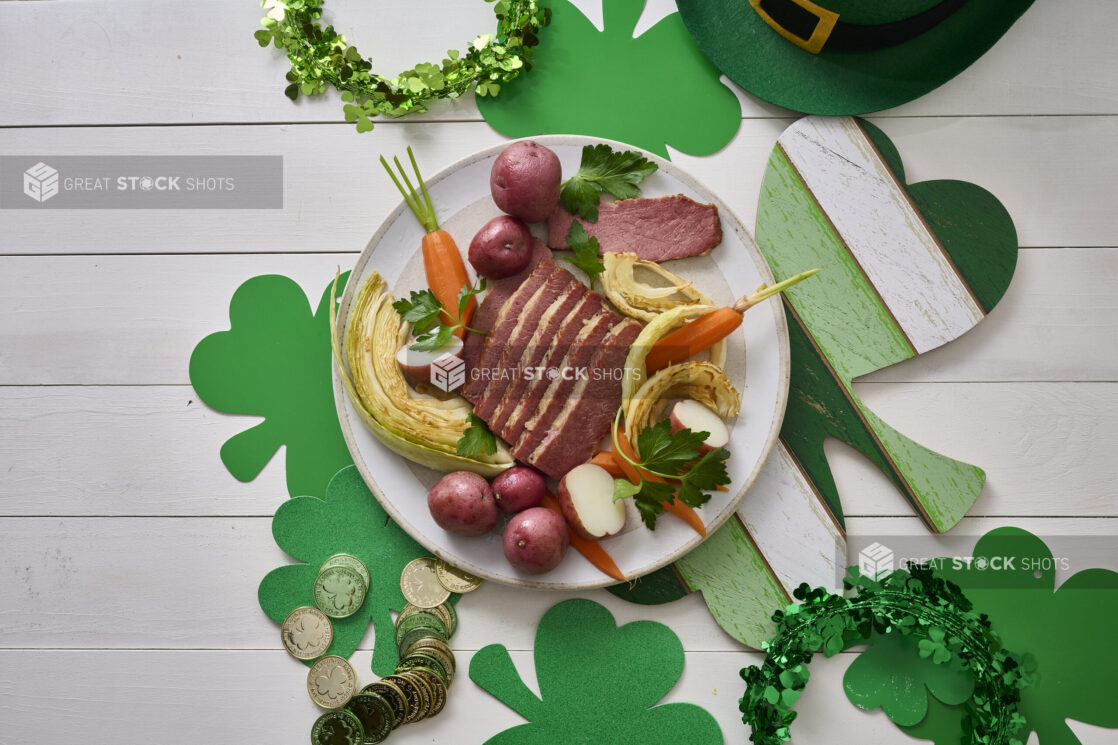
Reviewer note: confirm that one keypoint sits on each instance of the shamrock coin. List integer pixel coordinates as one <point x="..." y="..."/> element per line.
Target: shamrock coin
<point x="307" y="633"/>
<point x="339" y="591"/>
<point x="331" y="682"/>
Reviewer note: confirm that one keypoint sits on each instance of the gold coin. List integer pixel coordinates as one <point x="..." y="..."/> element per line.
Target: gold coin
<point x="394" y="696"/>
<point x="420" y="584"/>
<point x="426" y="695"/>
<point x="331" y="682"/>
<point x="437" y="687"/>
<point x="306" y="633"/>
<point x="412" y="694"/>
<point x="454" y="579"/>
<point x="440" y="651"/>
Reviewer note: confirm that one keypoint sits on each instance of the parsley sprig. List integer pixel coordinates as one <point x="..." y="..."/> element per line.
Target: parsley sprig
<point x="674" y="456"/>
<point x="603" y="170"/>
<point x="426" y="315"/>
<point x="586" y="250"/>
<point x="477" y="438"/>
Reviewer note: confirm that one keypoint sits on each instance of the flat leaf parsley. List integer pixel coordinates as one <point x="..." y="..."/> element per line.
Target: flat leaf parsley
<point x="603" y="170"/>
<point x="668" y="457"/>
<point x="426" y="315"/>
<point x="477" y="438"/>
<point x="586" y="250"/>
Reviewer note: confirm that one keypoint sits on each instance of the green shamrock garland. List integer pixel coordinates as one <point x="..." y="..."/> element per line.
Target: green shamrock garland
<point x="598" y="683"/>
<point x="321" y="57"/>
<point x="917" y="603"/>
<point x="648" y="91"/>
<point x="349" y="520"/>
<point x="1067" y="630"/>
<point x="274" y="362"/>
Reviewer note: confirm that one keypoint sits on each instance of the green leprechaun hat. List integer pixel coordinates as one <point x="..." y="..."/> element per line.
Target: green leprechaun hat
<point x="842" y="57"/>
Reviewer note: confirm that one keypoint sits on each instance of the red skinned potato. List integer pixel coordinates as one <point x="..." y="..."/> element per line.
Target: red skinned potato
<point x="692" y="415"/>
<point x="525" y="181"/>
<point x="501" y="248"/>
<point x="586" y="497"/>
<point x="462" y="503"/>
<point x="518" y="489"/>
<point x="536" y="540"/>
<point x="418" y="364"/>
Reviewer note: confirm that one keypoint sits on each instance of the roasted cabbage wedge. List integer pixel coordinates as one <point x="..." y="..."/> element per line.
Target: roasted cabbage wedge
<point x="639" y="299"/>
<point x="701" y="381"/>
<point x="420" y="427"/>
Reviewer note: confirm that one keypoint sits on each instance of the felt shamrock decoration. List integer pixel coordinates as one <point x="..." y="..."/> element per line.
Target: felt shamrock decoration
<point x="274" y="362"/>
<point x="648" y="91"/>
<point x="598" y="683"/>
<point x="349" y="520"/>
<point x="1068" y="631"/>
<point x="898" y="674"/>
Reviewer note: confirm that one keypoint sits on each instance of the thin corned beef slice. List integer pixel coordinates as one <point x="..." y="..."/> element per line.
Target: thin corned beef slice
<point x="502" y="322"/>
<point x="569" y="306"/>
<point x="557" y="389"/>
<point x="654" y="229"/>
<point x="515" y="341"/>
<point x="587" y="414"/>
<point x="497" y="291"/>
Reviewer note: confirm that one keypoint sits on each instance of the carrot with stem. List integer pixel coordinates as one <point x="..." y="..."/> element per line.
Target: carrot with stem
<point x="442" y="261"/>
<point x="588" y="547"/>
<point x="705" y="331"/>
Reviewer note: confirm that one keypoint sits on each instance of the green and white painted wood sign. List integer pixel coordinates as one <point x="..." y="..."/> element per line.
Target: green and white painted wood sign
<point x="905" y="269"/>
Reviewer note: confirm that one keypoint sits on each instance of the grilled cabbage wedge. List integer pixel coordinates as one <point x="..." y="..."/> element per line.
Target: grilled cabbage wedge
<point x="701" y="381"/>
<point x="423" y="428"/>
<point x="641" y="300"/>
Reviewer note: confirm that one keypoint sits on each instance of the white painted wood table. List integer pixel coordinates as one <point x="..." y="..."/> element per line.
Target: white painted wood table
<point x="129" y="558"/>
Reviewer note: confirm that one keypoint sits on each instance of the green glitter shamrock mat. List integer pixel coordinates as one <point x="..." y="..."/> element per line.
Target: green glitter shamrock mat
<point x="348" y="520"/>
<point x="650" y="91"/>
<point x="599" y="682"/>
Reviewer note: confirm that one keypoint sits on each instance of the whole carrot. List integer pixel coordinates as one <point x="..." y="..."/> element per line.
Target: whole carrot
<point x="442" y="261"/>
<point x="588" y="547"/>
<point x="705" y="331"/>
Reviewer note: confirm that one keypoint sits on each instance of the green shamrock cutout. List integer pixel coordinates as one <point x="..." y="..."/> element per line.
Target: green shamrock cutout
<point x="598" y="683"/>
<point x="1067" y="630"/>
<point x="608" y="84"/>
<point x="349" y="520"/>
<point x="274" y="362"/>
<point x="896" y="675"/>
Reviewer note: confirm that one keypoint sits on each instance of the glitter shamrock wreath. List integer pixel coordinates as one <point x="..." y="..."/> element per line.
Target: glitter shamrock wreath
<point x="916" y="603"/>
<point x="321" y="57"/>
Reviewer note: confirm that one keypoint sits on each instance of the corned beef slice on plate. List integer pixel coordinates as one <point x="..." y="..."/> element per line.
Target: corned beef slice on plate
<point x="551" y="322"/>
<point x="654" y="229"/>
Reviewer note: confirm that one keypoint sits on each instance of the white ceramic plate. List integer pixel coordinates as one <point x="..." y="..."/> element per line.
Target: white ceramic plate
<point x="460" y="194"/>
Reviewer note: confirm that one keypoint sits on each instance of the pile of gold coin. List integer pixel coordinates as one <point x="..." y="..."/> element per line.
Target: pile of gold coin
<point x="418" y="688"/>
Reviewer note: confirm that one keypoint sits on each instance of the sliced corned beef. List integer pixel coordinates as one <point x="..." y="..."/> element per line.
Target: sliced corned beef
<point x="654" y="229"/>
<point x="518" y="408"/>
<point x="501" y="325"/>
<point x="556" y="391"/>
<point x="587" y="415"/>
<point x="516" y="340"/>
<point x="543" y="341"/>
<point x="497" y="291"/>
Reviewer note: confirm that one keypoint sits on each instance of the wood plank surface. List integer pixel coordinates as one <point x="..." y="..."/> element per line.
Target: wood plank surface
<point x="1047" y="170"/>
<point x="121" y="320"/>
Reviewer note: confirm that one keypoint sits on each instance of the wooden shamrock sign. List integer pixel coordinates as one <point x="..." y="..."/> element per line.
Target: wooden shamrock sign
<point x="598" y="683"/>
<point x="905" y="268"/>
<point x="349" y="520"/>
<point x="648" y="91"/>
<point x="274" y="362"/>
